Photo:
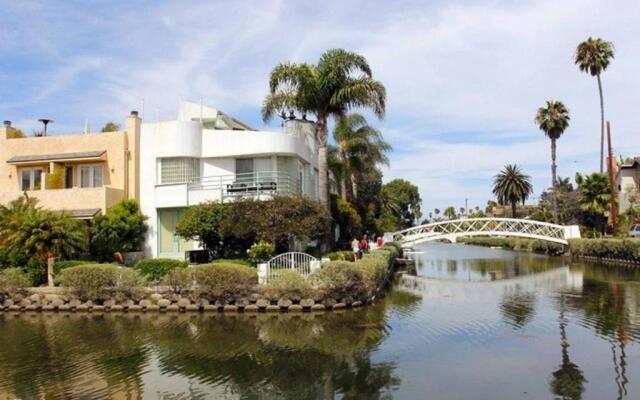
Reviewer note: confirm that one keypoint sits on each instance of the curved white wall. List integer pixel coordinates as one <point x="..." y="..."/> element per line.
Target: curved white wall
<point x="178" y="139"/>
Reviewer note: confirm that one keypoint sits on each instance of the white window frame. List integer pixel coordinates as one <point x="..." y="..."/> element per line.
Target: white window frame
<point x="91" y="167"/>
<point x="31" y="178"/>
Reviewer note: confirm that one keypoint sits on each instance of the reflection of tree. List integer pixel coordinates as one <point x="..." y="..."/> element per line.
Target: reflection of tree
<point x="568" y="380"/>
<point x="518" y="308"/>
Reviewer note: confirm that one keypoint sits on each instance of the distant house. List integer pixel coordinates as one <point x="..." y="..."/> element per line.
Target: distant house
<point x="628" y="182"/>
<point x="207" y="155"/>
<point x="82" y="174"/>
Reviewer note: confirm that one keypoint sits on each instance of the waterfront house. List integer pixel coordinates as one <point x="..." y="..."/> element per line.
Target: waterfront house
<point x="207" y="155"/>
<point x="628" y="182"/>
<point x="82" y="174"/>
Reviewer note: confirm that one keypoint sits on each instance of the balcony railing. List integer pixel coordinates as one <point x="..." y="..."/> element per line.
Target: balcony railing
<point x="248" y="184"/>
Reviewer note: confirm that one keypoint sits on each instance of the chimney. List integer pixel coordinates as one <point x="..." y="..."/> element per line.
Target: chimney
<point x="7" y="123"/>
<point x="134" y="113"/>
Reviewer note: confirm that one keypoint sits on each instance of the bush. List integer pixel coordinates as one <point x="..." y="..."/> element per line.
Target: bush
<point x="13" y="279"/>
<point x="100" y="281"/>
<point x="620" y="249"/>
<point x="288" y="284"/>
<point x="155" y="268"/>
<point x="121" y="229"/>
<point x="261" y="252"/>
<point x="224" y="282"/>
<point x="178" y="279"/>
<point x="339" y="279"/>
<point x="58" y="266"/>
<point x="374" y="269"/>
<point x="239" y="261"/>
<point x="344" y="255"/>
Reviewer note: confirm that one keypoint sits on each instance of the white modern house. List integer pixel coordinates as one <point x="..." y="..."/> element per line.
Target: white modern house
<point x="628" y="181"/>
<point x="206" y="155"/>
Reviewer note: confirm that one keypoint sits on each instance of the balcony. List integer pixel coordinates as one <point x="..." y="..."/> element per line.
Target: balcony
<point x="75" y="200"/>
<point x="224" y="188"/>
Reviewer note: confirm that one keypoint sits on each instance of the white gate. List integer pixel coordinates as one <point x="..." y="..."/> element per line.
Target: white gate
<point x="302" y="263"/>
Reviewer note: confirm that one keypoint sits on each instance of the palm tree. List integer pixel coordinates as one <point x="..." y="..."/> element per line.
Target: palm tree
<point x="450" y="212"/>
<point x="564" y="185"/>
<point x="512" y="186"/>
<point x="595" y="196"/>
<point x="553" y="120"/>
<point x="359" y="147"/>
<point x="339" y="82"/>
<point x="593" y="56"/>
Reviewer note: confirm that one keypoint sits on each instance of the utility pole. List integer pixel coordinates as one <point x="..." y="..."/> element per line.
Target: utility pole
<point x="612" y="179"/>
<point x="466" y="207"/>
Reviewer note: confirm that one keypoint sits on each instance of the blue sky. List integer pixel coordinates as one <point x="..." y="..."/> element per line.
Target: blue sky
<point x="464" y="78"/>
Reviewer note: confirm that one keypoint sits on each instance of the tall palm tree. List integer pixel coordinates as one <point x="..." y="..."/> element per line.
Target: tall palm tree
<point x="553" y="119"/>
<point x="360" y="147"/>
<point x="338" y="83"/>
<point x="564" y="185"/>
<point x="512" y="186"/>
<point x="593" y="56"/>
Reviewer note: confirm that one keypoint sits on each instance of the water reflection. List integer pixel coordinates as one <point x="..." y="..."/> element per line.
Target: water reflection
<point x="474" y="324"/>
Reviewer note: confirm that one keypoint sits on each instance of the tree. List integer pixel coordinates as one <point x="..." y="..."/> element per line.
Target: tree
<point x="14" y="133"/>
<point x="401" y="204"/>
<point x="564" y="185"/>
<point x="339" y="82"/>
<point x="202" y="224"/>
<point x="593" y="57"/>
<point x="511" y="186"/>
<point x="121" y="229"/>
<point x="450" y="212"/>
<point x="110" y="127"/>
<point x="359" y="147"/>
<point x="31" y="235"/>
<point x="595" y="197"/>
<point x="553" y="119"/>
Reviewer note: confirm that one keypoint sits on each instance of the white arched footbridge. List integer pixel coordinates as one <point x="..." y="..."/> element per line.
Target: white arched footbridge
<point x="451" y="230"/>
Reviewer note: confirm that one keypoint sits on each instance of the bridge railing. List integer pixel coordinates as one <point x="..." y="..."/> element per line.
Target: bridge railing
<point x="489" y="226"/>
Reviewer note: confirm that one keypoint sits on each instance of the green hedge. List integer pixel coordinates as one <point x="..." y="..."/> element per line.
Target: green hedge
<point x="62" y="265"/>
<point x="223" y="281"/>
<point x="343" y="255"/>
<point x="517" y="244"/>
<point x="620" y="249"/>
<point x="98" y="282"/>
<point x="13" y="279"/>
<point x="155" y="269"/>
<point x="288" y="284"/>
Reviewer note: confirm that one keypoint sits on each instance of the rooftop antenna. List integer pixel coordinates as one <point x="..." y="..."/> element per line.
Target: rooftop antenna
<point x="87" y="127"/>
<point x="201" y="109"/>
<point x="142" y="108"/>
<point x="45" y="122"/>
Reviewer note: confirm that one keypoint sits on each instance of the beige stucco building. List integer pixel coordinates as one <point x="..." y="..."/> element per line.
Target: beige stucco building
<point x="82" y="174"/>
<point x="628" y="181"/>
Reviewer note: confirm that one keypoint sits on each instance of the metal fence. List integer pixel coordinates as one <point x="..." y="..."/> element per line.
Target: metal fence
<point x="302" y="263"/>
<point x="252" y="183"/>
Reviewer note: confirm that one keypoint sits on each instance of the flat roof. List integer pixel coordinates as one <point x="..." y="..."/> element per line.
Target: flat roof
<point x="81" y="213"/>
<point x="56" y="157"/>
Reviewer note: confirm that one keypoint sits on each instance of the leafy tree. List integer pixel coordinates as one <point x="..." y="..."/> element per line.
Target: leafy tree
<point x="202" y="223"/>
<point x="110" y="127"/>
<point x="564" y="185"/>
<point x="359" y="148"/>
<point x="401" y="207"/>
<point x="553" y="119"/>
<point x="121" y="229"/>
<point x="593" y="57"/>
<point x="511" y="186"/>
<point x="339" y="82"/>
<point x="595" y="197"/>
<point x="14" y="133"/>
<point x="347" y="217"/>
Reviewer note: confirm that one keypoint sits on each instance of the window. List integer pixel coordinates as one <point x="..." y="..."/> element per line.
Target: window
<point x="244" y="166"/>
<point x="68" y="177"/>
<point x="179" y="170"/>
<point x="91" y="176"/>
<point x="30" y="179"/>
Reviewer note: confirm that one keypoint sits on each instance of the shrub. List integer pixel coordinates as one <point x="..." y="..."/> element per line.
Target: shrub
<point x="239" y="261"/>
<point x="155" y="268"/>
<point x="13" y="279"/>
<point x="224" y="282"/>
<point x="339" y="279"/>
<point x="58" y="266"/>
<point x="201" y="223"/>
<point x="121" y="229"/>
<point x="288" y="284"/>
<point x="100" y="281"/>
<point x="621" y="249"/>
<point x="374" y="267"/>
<point x="344" y="255"/>
<point x="261" y="252"/>
<point x="178" y="279"/>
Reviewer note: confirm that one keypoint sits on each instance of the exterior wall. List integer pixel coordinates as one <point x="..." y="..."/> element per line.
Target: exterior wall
<point x="120" y="167"/>
<point x="628" y="180"/>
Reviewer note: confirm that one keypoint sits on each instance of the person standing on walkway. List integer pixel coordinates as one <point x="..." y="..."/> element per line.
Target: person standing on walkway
<point x="355" y="246"/>
<point x="364" y="245"/>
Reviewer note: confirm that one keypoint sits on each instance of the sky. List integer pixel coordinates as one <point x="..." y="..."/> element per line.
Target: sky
<point x="464" y="78"/>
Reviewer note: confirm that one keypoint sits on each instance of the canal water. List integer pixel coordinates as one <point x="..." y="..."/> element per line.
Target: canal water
<point x="471" y="323"/>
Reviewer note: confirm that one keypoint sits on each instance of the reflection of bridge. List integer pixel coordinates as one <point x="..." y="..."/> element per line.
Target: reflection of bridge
<point x="451" y="230"/>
